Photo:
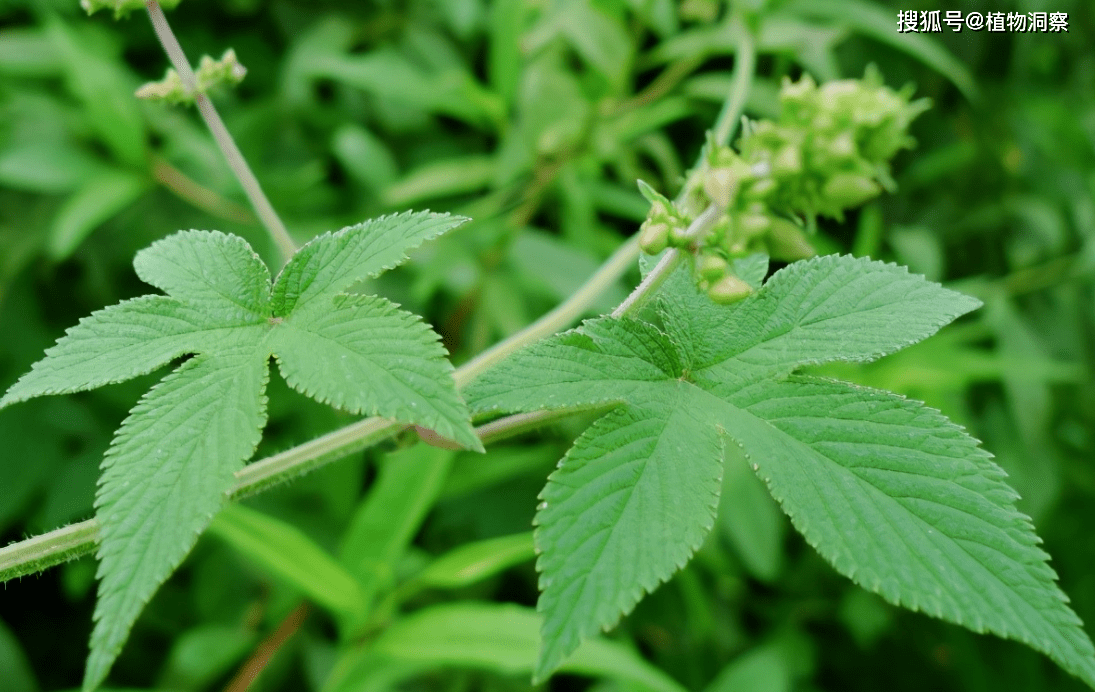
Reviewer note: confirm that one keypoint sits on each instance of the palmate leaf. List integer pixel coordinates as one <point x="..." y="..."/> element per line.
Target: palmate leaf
<point x="174" y="458"/>
<point x="890" y="492"/>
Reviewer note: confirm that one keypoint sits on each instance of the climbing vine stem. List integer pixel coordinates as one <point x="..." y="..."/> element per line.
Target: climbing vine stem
<point x="236" y="162"/>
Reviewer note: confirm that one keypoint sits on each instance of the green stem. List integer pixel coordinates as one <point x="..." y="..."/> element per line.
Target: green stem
<point x="297" y="461"/>
<point x="565" y="314"/>
<point x="49" y="549"/>
<point x="745" y="65"/>
<point x="669" y="261"/>
<point x="744" y="68"/>
<point x="77" y="540"/>
<point x="236" y="162"/>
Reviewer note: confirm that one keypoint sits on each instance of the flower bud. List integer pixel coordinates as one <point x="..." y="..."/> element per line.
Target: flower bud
<point x="653" y="237"/>
<point x="729" y="289"/>
<point x="678" y="236"/>
<point x="659" y="211"/>
<point x="787" y="162"/>
<point x="833" y="96"/>
<point x="720" y="186"/>
<point x="787" y="242"/>
<point x="842" y="147"/>
<point x="849" y="190"/>
<point x="712" y="267"/>
<point x="753" y="224"/>
<point x="761" y="188"/>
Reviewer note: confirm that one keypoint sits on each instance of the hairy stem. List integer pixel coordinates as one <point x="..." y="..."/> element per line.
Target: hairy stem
<point x="49" y="549"/>
<point x="224" y="140"/>
<point x="76" y="540"/>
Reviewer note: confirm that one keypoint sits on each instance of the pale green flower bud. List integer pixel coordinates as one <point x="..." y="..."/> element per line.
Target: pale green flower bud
<point x="846" y="190"/>
<point x="712" y="267"/>
<point x="729" y="289"/>
<point x="653" y="237"/>
<point x="842" y="146"/>
<point x="787" y="242"/>
<point x="678" y="236"/>
<point x="753" y="224"/>
<point x="721" y="186"/>
<point x="761" y="188"/>
<point x="787" y="162"/>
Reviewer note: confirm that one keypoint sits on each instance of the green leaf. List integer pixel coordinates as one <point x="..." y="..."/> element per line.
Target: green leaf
<point x="502" y="638"/>
<point x="894" y="495"/>
<point x="752" y="269"/>
<point x="121" y="8"/>
<point x="14" y="668"/>
<point x="47" y="167"/>
<point x="386" y="523"/>
<point x="832" y="308"/>
<point x="28" y="52"/>
<point x="599" y="38"/>
<point x="476" y="561"/>
<point x="763" y="669"/>
<point x="287" y="553"/>
<point x="164" y="477"/>
<point x="115" y="344"/>
<point x="603" y="362"/>
<point x="444" y="178"/>
<point x="363" y="355"/>
<point x="101" y="198"/>
<point x="558" y="269"/>
<point x="622" y="513"/>
<point x="174" y="459"/>
<point x="217" y="273"/>
<point x="331" y="263"/>
<point x="201" y="655"/>
<point x="907" y="505"/>
<point x="96" y="77"/>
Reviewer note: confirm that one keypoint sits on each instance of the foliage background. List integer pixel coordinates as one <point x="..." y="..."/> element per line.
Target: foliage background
<point x="535" y="118"/>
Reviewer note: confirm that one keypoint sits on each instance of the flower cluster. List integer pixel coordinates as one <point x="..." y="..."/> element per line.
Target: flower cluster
<point x="210" y="73"/>
<point x="828" y="152"/>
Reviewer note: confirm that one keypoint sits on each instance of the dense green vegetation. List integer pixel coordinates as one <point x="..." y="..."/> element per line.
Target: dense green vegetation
<point x="534" y="120"/>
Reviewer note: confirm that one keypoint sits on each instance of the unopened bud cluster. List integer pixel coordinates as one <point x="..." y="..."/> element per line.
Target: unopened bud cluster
<point x="121" y="7"/>
<point x="664" y="227"/>
<point x="829" y="152"/>
<point x="209" y="74"/>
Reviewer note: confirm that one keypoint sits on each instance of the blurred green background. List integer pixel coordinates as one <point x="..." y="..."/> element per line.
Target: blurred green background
<point x="535" y="118"/>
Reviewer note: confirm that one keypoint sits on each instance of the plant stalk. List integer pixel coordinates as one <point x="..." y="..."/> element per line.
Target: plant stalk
<point x="725" y="124"/>
<point x="566" y="313"/>
<point x="236" y="162"/>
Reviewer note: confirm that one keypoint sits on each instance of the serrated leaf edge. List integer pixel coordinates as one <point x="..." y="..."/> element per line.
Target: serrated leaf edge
<point x="8" y="399"/>
<point x="638" y="591"/>
<point x="846" y="567"/>
<point x="141" y="270"/>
